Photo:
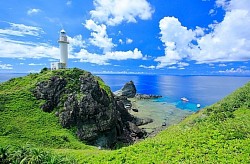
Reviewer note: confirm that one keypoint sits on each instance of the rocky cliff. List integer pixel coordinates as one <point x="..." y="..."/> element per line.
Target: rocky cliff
<point x="84" y="103"/>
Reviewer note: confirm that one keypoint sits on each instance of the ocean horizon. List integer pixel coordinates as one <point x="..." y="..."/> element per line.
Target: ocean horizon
<point x="204" y="90"/>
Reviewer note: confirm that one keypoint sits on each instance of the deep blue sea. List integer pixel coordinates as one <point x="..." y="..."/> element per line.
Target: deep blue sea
<point x="204" y="90"/>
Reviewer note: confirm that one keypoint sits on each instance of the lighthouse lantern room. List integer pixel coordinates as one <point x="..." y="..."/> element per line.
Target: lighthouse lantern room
<point x="63" y="46"/>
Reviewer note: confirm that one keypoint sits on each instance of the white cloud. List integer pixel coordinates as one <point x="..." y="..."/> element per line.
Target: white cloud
<point x="129" y="41"/>
<point x="33" y="11"/>
<point x="222" y="3"/>
<point x="147" y="67"/>
<point x="183" y="64"/>
<point x="212" y="12"/>
<point x="172" y="67"/>
<point x="85" y="56"/>
<point x="21" y="30"/>
<point x="237" y="70"/>
<point x="121" y="41"/>
<point x="75" y="43"/>
<point x="26" y="49"/>
<point x="6" y="66"/>
<point x="176" y="39"/>
<point x="36" y="64"/>
<point x="111" y="13"/>
<point x="99" y="36"/>
<point x="14" y="36"/>
<point x="69" y="3"/>
<point x="228" y="40"/>
<point x="118" y="72"/>
<point x="77" y="48"/>
<point x="114" y="12"/>
<point x="222" y="65"/>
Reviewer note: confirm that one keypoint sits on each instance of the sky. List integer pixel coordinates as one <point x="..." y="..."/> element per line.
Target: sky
<point x="175" y="37"/>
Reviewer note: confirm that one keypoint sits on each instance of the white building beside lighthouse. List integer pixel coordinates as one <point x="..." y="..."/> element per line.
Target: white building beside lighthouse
<point x="63" y="46"/>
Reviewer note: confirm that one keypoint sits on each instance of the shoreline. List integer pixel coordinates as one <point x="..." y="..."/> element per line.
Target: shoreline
<point x="163" y="114"/>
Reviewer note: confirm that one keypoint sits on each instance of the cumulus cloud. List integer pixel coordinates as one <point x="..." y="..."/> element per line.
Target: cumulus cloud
<point x="99" y="36"/>
<point x="6" y="66"/>
<point x="85" y="56"/>
<point x="176" y="39"/>
<point x="76" y="42"/>
<point x="114" y="12"/>
<point x="33" y="11"/>
<point x="227" y="41"/>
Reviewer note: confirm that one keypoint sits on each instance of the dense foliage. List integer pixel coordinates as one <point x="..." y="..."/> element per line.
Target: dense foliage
<point x="217" y="134"/>
<point x="25" y="155"/>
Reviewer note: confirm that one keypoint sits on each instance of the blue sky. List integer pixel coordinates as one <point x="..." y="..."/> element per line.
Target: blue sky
<point x="195" y="37"/>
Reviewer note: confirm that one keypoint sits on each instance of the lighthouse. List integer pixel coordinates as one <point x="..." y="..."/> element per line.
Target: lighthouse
<point x="63" y="46"/>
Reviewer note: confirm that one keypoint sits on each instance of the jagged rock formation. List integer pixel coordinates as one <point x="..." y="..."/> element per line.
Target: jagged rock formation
<point x="81" y="103"/>
<point x="128" y="90"/>
<point x="50" y="91"/>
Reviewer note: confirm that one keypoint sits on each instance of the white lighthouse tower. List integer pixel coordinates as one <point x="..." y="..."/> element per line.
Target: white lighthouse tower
<point x="63" y="46"/>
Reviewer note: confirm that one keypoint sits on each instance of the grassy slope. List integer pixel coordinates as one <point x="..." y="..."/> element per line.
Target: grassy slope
<point x="23" y="122"/>
<point x="220" y="133"/>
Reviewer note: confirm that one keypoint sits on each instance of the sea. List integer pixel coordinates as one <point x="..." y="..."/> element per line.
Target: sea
<point x="203" y="90"/>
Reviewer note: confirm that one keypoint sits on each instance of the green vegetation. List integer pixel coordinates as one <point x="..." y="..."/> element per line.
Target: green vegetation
<point x="217" y="134"/>
<point x="31" y="155"/>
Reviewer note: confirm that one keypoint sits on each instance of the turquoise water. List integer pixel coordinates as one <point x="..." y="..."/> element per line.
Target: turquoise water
<point x="179" y="104"/>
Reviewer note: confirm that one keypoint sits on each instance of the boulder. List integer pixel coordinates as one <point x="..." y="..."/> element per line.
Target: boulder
<point x="142" y="121"/>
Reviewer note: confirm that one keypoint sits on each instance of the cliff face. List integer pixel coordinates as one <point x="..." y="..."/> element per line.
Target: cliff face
<point x="88" y="107"/>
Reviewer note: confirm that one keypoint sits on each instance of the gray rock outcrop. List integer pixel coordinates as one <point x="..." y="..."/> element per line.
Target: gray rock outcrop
<point x="98" y="117"/>
<point x="146" y="96"/>
<point x="50" y="91"/>
<point x="128" y="90"/>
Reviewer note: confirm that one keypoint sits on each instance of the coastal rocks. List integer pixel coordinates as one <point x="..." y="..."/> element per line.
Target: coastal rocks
<point x="142" y="121"/>
<point x="145" y="96"/>
<point x="128" y="90"/>
<point x="81" y="104"/>
<point x="135" y="131"/>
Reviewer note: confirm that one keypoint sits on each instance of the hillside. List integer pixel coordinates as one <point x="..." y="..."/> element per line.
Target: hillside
<point x="219" y="133"/>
